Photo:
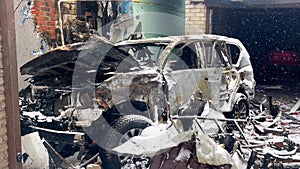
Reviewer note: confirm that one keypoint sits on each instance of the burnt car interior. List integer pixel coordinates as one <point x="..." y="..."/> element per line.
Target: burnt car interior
<point x="185" y="57"/>
<point x="145" y="53"/>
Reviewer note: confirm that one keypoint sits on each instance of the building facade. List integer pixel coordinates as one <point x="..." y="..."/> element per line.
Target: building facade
<point x="3" y="126"/>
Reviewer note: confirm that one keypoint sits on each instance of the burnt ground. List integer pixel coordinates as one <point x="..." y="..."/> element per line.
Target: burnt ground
<point x="287" y="95"/>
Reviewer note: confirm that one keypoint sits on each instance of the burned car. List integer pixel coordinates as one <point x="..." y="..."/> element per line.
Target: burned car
<point x="93" y="96"/>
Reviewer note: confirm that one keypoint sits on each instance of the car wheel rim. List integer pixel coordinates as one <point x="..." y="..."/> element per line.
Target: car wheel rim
<point x="129" y="134"/>
<point x="132" y="161"/>
<point x="241" y="111"/>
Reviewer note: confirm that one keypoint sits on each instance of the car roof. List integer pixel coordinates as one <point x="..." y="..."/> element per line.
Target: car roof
<point x="169" y="39"/>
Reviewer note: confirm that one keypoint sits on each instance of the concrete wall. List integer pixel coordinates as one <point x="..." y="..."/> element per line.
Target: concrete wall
<point x="3" y="128"/>
<point x="160" y="18"/>
<point x="26" y="38"/>
<point x="195" y="18"/>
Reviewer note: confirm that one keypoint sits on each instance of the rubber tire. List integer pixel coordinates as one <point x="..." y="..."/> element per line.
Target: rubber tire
<point x="233" y="114"/>
<point x="237" y="108"/>
<point x="120" y="126"/>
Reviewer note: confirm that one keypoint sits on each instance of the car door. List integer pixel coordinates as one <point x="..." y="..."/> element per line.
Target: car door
<point x="240" y="60"/>
<point x="230" y="78"/>
<point x="185" y="74"/>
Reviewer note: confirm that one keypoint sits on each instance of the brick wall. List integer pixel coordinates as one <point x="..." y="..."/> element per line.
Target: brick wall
<point x="3" y="129"/>
<point x="44" y="13"/>
<point x="195" y="18"/>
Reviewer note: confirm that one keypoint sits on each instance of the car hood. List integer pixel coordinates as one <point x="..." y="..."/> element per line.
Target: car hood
<point x="96" y="58"/>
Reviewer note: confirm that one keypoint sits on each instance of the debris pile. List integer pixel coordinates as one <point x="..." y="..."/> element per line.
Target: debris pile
<point x="261" y="141"/>
<point x="268" y="138"/>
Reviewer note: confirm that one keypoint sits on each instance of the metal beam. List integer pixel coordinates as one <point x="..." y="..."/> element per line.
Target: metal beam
<point x="7" y="23"/>
<point x="252" y="3"/>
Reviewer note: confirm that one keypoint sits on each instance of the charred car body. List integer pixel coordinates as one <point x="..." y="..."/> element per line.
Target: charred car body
<point x="91" y="97"/>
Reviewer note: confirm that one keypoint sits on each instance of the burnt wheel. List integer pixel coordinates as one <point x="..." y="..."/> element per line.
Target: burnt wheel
<point x="241" y="109"/>
<point x="123" y="128"/>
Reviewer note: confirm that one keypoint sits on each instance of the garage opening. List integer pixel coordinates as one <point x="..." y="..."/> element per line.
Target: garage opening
<point x="271" y="35"/>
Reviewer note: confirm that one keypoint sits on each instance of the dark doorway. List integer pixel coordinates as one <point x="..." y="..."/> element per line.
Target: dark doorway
<point x="268" y="34"/>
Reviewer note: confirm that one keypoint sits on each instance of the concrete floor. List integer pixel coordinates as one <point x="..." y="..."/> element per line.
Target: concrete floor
<point x="286" y="95"/>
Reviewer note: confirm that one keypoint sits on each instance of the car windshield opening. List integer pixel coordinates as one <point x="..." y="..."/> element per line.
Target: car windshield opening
<point x="145" y="54"/>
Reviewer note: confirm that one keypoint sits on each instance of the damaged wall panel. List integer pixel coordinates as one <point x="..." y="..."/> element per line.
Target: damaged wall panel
<point x="25" y="27"/>
<point x="63" y="21"/>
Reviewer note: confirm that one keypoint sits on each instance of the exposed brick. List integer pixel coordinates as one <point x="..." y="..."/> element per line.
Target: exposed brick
<point x="33" y="12"/>
<point x="40" y="21"/>
<point x="200" y="22"/>
<point x="195" y="16"/>
<point x="45" y="16"/>
<point x="51" y="4"/>
<point x="203" y="18"/>
<point x="195" y="19"/>
<point x="45" y="8"/>
<point x="52" y="20"/>
<point x="46" y="19"/>
<point x="200" y="14"/>
<point x="195" y="10"/>
<point x="187" y="11"/>
<point x="189" y="6"/>
<point x="39" y="3"/>
<point x="190" y="14"/>
<point x="188" y="22"/>
<point x="49" y="28"/>
<point x="52" y="14"/>
<point x="51" y="33"/>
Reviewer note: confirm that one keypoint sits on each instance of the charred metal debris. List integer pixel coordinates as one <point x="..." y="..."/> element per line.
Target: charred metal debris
<point x="181" y="102"/>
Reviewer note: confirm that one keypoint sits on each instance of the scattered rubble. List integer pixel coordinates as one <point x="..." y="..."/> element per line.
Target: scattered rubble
<point x="261" y="141"/>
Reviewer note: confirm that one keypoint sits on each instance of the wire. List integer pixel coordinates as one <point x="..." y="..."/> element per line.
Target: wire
<point x="17" y="6"/>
